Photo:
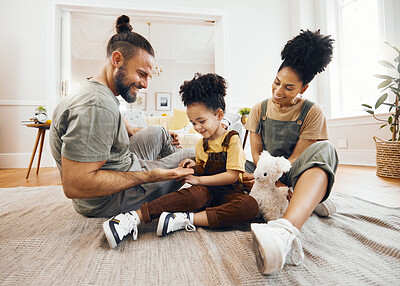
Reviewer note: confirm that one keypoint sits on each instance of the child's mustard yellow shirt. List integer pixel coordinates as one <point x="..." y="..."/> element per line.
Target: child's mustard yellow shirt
<point x="235" y="154"/>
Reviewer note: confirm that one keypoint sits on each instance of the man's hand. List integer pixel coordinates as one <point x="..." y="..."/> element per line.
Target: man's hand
<point x="159" y="174"/>
<point x="175" y="139"/>
<point x="187" y="163"/>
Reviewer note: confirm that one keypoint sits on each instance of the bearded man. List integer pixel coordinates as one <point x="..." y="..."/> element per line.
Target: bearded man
<point x="103" y="170"/>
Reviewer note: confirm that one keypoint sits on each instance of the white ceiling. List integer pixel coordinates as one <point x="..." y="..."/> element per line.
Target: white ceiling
<point x="181" y="41"/>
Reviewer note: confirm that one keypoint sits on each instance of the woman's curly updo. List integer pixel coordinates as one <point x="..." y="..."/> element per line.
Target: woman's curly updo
<point x="308" y="54"/>
<point x="127" y="42"/>
<point x="209" y="89"/>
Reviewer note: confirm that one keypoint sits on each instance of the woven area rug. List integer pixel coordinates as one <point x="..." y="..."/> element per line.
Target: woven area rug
<point x="44" y="242"/>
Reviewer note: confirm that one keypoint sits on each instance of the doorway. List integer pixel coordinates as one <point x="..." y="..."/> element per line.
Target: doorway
<point x="74" y="61"/>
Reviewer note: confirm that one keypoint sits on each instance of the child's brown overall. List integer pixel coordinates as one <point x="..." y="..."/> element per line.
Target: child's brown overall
<point x="224" y="205"/>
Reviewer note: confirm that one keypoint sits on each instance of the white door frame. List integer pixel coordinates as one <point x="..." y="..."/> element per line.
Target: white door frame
<point x="57" y="8"/>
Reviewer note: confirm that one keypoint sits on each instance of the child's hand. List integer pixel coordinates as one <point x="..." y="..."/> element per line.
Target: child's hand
<point x="248" y="180"/>
<point x="187" y="163"/>
<point x="193" y="180"/>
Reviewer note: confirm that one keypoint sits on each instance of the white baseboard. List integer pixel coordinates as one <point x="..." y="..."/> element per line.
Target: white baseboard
<point x="357" y="157"/>
<point x="21" y="160"/>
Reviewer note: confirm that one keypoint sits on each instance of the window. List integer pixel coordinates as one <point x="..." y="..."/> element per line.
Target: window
<point x="361" y="29"/>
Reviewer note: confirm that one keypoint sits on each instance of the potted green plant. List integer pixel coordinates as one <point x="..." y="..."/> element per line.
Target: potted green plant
<point x="40" y="115"/>
<point x="388" y="152"/>
<point x="40" y="110"/>
<point x="244" y="112"/>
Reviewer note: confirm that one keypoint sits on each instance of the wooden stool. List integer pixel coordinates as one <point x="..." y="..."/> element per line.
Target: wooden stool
<point x="40" y="136"/>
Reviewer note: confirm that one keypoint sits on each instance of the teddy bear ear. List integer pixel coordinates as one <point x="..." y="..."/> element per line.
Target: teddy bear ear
<point x="283" y="164"/>
<point x="265" y="154"/>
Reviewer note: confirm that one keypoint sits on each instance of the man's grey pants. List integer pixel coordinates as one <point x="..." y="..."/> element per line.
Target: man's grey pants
<point x="151" y="148"/>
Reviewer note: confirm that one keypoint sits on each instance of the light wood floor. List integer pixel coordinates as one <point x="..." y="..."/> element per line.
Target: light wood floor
<point x="358" y="181"/>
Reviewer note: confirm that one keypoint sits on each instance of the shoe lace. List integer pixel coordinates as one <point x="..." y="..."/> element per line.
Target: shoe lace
<point x="184" y="222"/>
<point x="296" y="255"/>
<point x="129" y="225"/>
<point x="294" y="248"/>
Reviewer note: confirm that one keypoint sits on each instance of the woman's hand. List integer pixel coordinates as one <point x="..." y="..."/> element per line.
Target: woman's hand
<point x="187" y="163"/>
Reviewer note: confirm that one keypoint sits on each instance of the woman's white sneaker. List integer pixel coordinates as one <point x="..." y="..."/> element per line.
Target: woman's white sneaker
<point x="274" y="243"/>
<point x="117" y="227"/>
<point x="326" y="208"/>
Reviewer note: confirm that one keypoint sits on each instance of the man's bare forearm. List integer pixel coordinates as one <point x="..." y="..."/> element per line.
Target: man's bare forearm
<point x="87" y="180"/>
<point x="102" y="183"/>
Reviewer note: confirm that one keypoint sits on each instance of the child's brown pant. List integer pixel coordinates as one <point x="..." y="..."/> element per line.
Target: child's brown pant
<point x="223" y="208"/>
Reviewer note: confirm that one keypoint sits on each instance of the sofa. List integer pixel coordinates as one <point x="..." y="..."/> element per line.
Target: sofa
<point x="180" y="124"/>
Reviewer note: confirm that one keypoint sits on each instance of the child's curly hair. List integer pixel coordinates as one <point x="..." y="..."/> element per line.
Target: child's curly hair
<point x="209" y="89"/>
<point x="308" y="54"/>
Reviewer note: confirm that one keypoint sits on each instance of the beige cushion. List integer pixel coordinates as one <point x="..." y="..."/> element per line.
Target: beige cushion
<point x="179" y="120"/>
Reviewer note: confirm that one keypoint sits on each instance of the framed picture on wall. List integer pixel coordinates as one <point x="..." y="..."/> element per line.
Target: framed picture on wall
<point x="141" y="101"/>
<point x="163" y="101"/>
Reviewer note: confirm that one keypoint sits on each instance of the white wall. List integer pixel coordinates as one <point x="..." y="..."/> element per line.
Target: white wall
<point x="353" y="138"/>
<point x="23" y="73"/>
<point x="82" y="69"/>
<point x="186" y="72"/>
<point x="257" y="31"/>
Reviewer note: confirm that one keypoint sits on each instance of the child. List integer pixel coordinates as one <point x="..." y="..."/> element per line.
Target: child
<point x="216" y="194"/>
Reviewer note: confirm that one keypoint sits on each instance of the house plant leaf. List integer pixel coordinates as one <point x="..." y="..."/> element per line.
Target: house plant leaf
<point x="386" y="64"/>
<point x="384" y="83"/>
<point x="366" y="105"/>
<point x="383" y="76"/>
<point x="396" y="49"/>
<point x="381" y="100"/>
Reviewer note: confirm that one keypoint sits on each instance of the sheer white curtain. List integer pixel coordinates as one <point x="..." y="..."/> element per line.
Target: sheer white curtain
<point x="360" y="28"/>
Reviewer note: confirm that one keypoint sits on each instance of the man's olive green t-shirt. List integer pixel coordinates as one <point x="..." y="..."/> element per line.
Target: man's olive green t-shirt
<point x="87" y="126"/>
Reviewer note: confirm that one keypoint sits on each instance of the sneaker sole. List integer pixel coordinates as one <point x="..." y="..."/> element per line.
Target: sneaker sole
<point x="263" y="261"/>
<point x="325" y="209"/>
<point x="109" y="235"/>
<point x="161" y="224"/>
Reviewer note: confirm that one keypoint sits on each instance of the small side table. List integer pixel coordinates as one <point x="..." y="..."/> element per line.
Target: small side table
<point x="40" y="136"/>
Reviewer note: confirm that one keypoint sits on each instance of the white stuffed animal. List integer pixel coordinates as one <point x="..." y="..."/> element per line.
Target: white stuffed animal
<point x="272" y="201"/>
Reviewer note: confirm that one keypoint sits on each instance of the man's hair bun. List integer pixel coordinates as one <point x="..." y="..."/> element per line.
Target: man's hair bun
<point x="126" y="41"/>
<point x="122" y="25"/>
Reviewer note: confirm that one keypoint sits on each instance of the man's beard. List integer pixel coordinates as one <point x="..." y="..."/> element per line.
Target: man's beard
<point x="124" y="90"/>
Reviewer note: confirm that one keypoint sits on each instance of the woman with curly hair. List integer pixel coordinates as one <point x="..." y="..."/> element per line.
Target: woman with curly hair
<point x="216" y="198"/>
<point x="289" y="125"/>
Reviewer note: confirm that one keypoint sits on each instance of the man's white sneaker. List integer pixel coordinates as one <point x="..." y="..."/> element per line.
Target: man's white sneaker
<point x="170" y="222"/>
<point x="326" y="208"/>
<point x="274" y="243"/>
<point x="117" y="227"/>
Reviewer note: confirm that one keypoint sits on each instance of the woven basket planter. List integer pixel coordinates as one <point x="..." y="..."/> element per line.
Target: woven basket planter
<point x="387" y="158"/>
